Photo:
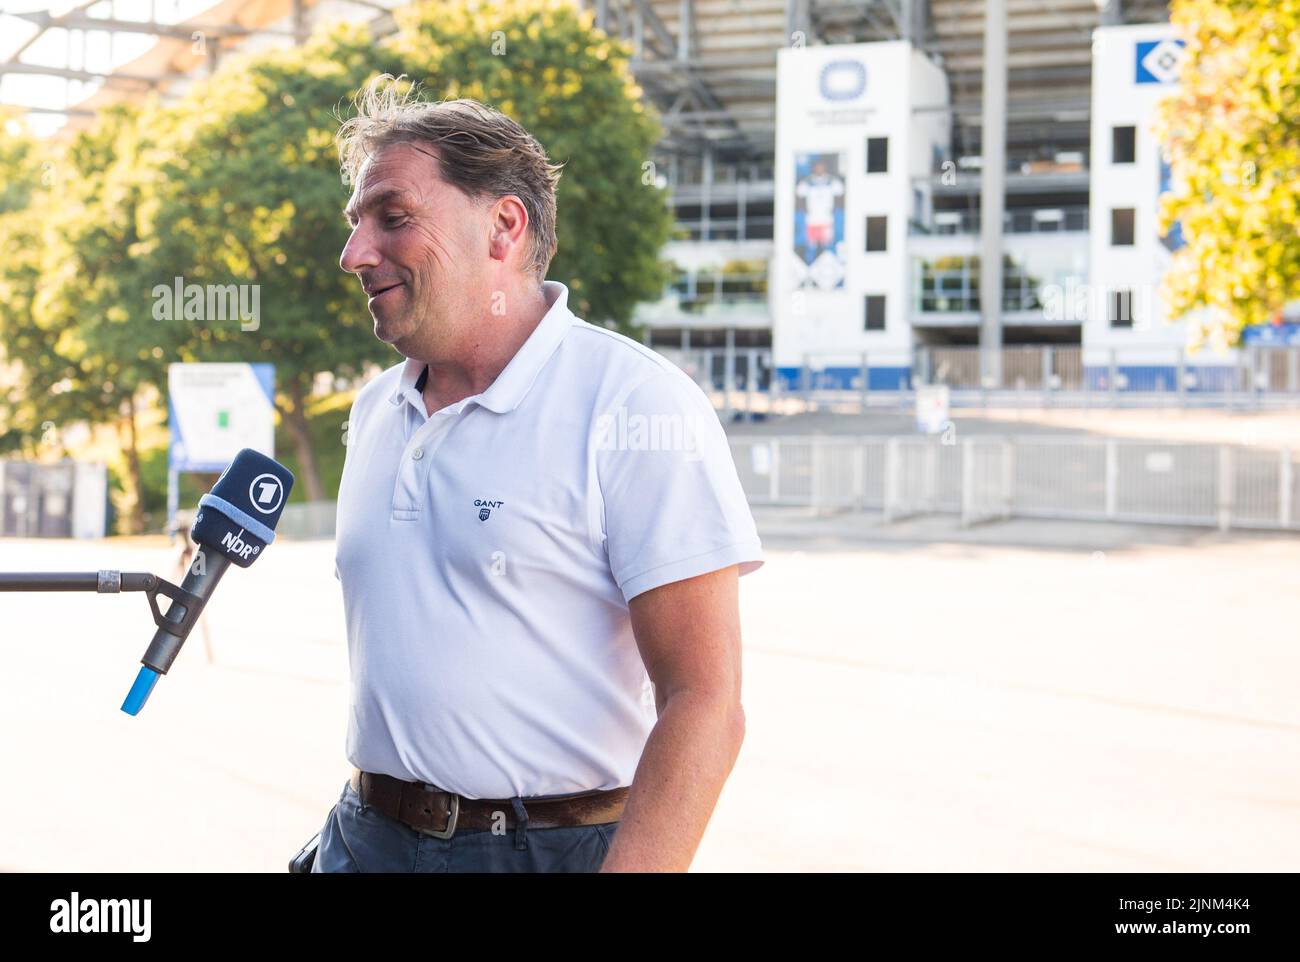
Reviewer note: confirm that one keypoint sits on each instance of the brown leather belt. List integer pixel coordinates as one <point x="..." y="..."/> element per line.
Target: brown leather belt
<point x="428" y="809"/>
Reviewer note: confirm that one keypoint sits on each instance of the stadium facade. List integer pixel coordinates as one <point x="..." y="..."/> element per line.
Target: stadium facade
<point x="856" y="254"/>
<point x="877" y="194"/>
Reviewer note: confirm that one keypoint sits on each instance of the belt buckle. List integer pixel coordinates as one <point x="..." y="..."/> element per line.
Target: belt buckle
<point x="450" y="830"/>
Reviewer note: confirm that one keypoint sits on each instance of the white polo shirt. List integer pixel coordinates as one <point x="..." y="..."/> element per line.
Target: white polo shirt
<point x="488" y="553"/>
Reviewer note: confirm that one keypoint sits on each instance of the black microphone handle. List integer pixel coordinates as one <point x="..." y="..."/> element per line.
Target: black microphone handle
<point x="164" y="648"/>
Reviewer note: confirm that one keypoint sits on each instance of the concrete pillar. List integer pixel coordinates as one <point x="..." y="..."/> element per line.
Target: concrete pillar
<point x="796" y="18"/>
<point x="1112" y="478"/>
<point x="751" y="380"/>
<point x="992" y="188"/>
<point x="1226" y="494"/>
<point x="729" y="371"/>
<point x="706" y="189"/>
<point x="685" y="30"/>
<point x="1284" y="482"/>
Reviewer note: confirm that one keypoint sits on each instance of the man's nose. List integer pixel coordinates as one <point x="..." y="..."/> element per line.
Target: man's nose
<point x="359" y="253"/>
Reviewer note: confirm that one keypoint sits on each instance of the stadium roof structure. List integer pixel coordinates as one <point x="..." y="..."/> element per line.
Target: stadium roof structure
<point x="708" y="65"/>
<point x="77" y="42"/>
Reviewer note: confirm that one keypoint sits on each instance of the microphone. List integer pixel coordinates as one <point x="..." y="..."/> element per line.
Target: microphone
<point x="235" y="523"/>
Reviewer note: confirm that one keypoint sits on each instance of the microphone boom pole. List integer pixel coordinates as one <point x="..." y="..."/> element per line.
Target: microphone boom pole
<point x="173" y="627"/>
<point x="236" y="520"/>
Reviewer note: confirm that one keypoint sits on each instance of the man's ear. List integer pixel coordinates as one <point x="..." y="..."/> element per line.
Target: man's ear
<point x="506" y="227"/>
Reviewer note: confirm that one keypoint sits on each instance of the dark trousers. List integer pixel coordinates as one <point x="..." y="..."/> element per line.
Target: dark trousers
<point x="357" y="838"/>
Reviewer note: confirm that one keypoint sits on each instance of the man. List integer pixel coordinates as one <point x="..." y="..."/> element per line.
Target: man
<point x="540" y="532"/>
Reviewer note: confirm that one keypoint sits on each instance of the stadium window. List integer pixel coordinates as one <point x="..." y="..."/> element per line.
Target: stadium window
<point x="876" y="233"/>
<point x="875" y="304"/>
<point x="1121" y="227"/>
<point x="1123" y="145"/>
<point x="1121" y="308"/>
<point x="877" y="155"/>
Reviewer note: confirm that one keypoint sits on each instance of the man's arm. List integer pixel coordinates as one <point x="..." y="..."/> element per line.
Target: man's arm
<point x="688" y="633"/>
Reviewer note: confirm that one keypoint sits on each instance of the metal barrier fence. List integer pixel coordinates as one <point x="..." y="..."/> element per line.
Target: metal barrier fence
<point x="744" y="379"/>
<point x="67" y="499"/>
<point x="979" y="479"/>
<point x="307" y="521"/>
<point x="990" y="477"/>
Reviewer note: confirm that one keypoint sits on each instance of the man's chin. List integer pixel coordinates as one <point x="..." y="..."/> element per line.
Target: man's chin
<point x="390" y="331"/>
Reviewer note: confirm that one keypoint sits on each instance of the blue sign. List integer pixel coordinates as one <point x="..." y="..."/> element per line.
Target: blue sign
<point x="214" y="410"/>
<point x="1157" y="61"/>
<point x="1174" y="239"/>
<point x="1287" y="335"/>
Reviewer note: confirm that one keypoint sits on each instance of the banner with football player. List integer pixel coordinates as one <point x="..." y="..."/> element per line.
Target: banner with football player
<point x="819" y="221"/>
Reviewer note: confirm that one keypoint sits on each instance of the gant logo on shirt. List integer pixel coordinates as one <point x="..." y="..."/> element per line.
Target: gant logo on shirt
<point x="485" y="507"/>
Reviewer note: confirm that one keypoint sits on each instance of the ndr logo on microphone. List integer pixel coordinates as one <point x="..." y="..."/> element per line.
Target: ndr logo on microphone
<point x="237" y="544"/>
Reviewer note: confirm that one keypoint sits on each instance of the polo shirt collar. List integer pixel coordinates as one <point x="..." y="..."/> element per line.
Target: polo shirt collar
<point x="513" y="383"/>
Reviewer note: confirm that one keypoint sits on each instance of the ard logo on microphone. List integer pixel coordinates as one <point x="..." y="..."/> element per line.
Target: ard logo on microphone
<point x="266" y="492"/>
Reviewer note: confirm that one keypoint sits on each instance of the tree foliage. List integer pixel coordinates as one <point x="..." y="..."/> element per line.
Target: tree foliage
<point x="570" y="86"/>
<point x="1232" y="131"/>
<point x="251" y="194"/>
<point x="45" y="374"/>
<point x="238" y="183"/>
<point x="22" y="210"/>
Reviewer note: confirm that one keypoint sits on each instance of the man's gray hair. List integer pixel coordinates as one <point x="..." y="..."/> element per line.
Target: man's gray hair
<point x="480" y="150"/>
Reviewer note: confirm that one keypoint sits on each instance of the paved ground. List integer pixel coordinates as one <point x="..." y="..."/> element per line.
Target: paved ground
<point x="918" y="698"/>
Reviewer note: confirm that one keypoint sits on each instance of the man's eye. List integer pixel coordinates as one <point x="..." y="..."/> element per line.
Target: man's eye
<point x="393" y="220"/>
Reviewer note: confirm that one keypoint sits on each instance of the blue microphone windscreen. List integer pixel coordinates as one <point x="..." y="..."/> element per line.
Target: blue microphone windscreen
<point x="238" y="516"/>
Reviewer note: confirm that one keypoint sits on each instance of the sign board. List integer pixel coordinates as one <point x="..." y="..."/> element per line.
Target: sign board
<point x="931" y="408"/>
<point x="215" y="410"/>
<point x="1284" y="335"/>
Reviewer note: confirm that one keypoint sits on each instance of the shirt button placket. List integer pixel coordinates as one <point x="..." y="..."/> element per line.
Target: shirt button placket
<point x="412" y="474"/>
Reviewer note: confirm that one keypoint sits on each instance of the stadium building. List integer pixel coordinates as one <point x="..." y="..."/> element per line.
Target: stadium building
<point x="948" y="192"/>
<point x="869" y="194"/>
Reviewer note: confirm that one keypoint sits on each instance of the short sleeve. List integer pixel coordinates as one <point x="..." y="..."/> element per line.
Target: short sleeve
<point x="673" y="504"/>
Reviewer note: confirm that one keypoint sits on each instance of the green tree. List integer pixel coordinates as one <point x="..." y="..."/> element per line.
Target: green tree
<point x="21" y="216"/>
<point x="93" y="305"/>
<point x="251" y="194"/>
<point x="42" y="376"/>
<point x="1232" y="131"/>
<point x="19" y="163"/>
<point x="239" y="183"/>
<point x="542" y="63"/>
